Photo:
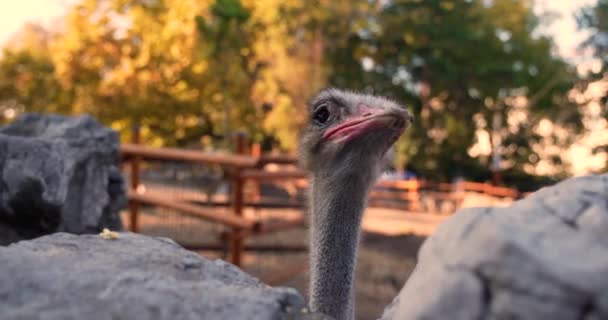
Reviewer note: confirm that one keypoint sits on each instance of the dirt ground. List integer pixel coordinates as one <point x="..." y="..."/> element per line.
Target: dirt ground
<point x="384" y="263"/>
<point x="387" y="254"/>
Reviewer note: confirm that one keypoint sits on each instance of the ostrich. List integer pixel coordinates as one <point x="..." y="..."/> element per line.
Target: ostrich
<point x="343" y="147"/>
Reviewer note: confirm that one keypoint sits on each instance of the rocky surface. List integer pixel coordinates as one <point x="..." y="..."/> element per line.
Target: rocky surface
<point x="58" y="174"/>
<point x="65" y="276"/>
<point x="544" y="257"/>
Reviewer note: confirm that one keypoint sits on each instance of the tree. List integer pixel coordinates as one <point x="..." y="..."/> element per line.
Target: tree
<point x="27" y="75"/>
<point x="137" y="62"/>
<point x="292" y="40"/>
<point x="475" y="73"/>
<point x="595" y="20"/>
<point x="178" y="70"/>
<point x="468" y="69"/>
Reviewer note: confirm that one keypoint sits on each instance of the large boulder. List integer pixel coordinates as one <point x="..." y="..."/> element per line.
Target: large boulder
<point x="58" y="174"/>
<point x="545" y="257"/>
<point x="65" y="276"/>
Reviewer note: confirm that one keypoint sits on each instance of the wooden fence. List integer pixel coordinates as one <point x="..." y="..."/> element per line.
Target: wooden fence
<point x="240" y="168"/>
<point x="243" y="169"/>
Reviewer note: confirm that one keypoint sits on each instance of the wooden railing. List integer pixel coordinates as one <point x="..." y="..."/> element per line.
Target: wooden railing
<point x="243" y="169"/>
<point x="171" y="154"/>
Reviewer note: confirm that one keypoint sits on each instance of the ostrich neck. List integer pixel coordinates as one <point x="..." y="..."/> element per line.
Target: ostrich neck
<point x="338" y="202"/>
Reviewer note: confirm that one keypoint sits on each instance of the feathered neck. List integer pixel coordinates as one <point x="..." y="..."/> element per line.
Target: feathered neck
<point x="337" y="205"/>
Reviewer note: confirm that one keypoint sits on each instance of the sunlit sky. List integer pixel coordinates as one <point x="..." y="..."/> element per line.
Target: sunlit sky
<point x="563" y="29"/>
<point x="13" y="14"/>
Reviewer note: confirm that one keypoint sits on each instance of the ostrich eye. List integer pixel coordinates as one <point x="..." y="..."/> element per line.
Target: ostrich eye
<point x="321" y="115"/>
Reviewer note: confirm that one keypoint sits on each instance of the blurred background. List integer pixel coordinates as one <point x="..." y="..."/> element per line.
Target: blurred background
<point x="506" y="93"/>
<point x="496" y="85"/>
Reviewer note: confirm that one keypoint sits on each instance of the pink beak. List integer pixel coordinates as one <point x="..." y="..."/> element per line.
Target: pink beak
<point x="366" y="120"/>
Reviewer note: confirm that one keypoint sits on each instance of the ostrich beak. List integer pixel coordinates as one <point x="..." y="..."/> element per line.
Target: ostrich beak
<point x="368" y="120"/>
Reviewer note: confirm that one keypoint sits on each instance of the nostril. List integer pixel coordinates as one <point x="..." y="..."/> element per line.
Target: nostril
<point x="398" y="123"/>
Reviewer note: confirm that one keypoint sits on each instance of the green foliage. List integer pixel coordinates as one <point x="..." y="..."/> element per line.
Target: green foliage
<point x="458" y="65"/>
<point x="469" y="70"/>
<point x="227" y="10"/>
<point x="27" y="76"/>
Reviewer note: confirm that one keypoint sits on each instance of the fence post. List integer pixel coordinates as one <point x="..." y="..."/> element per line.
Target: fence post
<point x="135" y="160"/>
<point x="256" y="152"/>
<point x="236" y="241"/>
<point x="414" y="195"/>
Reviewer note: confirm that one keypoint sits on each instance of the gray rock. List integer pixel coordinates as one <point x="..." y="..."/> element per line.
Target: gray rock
<point x="545" y="257"/>
<point x="58" y="174"/>
<point x="65" y="276"/>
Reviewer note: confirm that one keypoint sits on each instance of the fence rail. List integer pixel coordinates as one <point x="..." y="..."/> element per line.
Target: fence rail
<point x="241" y="169"/>
<point x="250" y="170"/>
<point x="224" y="218"/>
<point x="172" y="154"/>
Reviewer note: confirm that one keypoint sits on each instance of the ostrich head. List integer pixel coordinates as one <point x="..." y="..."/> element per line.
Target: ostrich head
<point x="350" y="132"/>
<point x="343" y="147"/>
